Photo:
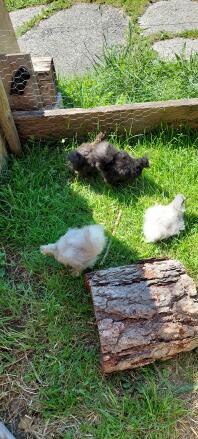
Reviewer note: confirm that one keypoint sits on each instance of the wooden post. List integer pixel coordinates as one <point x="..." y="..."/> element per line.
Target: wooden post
<point x="8" y="40"/>
<point x="3" y="151"/>
<point x="145" y="312"/>
<point x="7" y="122"/>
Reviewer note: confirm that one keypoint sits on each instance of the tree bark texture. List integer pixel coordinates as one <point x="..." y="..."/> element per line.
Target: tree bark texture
<point x="145" y="312"/>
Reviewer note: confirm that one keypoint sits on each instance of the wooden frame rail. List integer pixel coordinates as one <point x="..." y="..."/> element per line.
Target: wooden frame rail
<point x="134" y="118"/>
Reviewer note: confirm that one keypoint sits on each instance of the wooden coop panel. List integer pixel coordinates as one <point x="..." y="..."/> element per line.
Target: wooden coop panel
<point x="20" y="82"/>
<point x="46" y="77"/>
<point x="145" y="312"/>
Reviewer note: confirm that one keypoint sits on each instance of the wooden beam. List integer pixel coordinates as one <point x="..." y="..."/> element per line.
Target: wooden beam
<point x="46" y="77"/>
<point x="30" y="98"/>
<point x="3" y="151"/>
<point x="145" y="312"/>
<point x="134" y="118"/>
<point x="8" y="40"/>
<point x="7" y="123"/>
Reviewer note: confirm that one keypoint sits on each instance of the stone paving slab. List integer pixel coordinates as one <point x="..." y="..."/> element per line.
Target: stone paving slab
<point x="75" y="37"/>
<point x="20" y="16"/>
<point x="170" y="15"/>
<point x="168" y="48"/>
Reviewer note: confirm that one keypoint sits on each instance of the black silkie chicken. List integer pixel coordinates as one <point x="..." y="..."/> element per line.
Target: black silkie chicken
<point x="114" y="166"/>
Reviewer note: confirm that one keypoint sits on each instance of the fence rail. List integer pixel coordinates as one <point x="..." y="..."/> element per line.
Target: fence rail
<point x="134" y="118"/>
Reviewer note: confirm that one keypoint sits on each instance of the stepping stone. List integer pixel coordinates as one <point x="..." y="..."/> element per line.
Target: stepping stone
<point x="75" y="37"/>
<point x="171" y="16"/>
<point x="168" y="48"/>
<point x="20" y="16"/>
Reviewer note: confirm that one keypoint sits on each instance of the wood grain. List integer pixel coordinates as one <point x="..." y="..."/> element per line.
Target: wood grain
<point x="7" y="124"/>
<point x="8" y="40"/>
<point x="134" y="118"/>
<point x="3" y="151"/>
<point x="145" y="312"/>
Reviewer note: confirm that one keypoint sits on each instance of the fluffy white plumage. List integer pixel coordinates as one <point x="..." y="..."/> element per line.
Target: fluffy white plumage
<point x="78" y="248"/>
<point x="161" y="222"/>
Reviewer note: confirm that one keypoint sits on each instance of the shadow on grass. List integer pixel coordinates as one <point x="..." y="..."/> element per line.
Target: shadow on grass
<point x="46" y="218"/>
<point x="191" y="221"/>
<point x="144" y="185"/>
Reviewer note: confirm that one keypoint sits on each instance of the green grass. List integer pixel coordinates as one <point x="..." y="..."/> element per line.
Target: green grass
<point x="189" y="34"/>
<point x="166" y="35"/>
<point x="47" y="320"/>
<point x="49" y="358"/>
<point x="132" y="74"/>
<point x="53" y="7"/>
<point x="134" y="7"/>
<point x="13" y="5"/>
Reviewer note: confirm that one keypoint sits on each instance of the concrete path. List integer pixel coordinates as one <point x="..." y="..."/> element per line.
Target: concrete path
<point x="171" y="16"/>
<point x="20" y="16"/>
<point x="75" y="37"/>
<point x="168" y="48"/>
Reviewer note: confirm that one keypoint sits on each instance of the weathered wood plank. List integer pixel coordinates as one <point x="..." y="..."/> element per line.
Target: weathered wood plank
<point x="7" y="124"/>
<point x="8" y="40"/>
<point x="3" y="151"/>
<point x="144" y="312"/>
<point x="30" y="98"/>
<point x="134" y="118"/>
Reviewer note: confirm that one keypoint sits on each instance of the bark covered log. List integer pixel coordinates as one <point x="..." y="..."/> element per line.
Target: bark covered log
<point x="144" y="312"/>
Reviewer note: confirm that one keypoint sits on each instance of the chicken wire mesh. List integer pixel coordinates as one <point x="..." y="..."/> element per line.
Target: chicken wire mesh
<point x="31" y="84"/>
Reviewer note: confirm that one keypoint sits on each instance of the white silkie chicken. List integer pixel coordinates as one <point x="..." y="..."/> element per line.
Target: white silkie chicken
<point x="78" y="248"/>
<point x="161" y="222"/>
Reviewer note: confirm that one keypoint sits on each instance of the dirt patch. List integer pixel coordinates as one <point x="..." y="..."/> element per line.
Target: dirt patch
<point x="188" y="426"/>
<point x="16" y="400"/>
<point x="17" y="272"/>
